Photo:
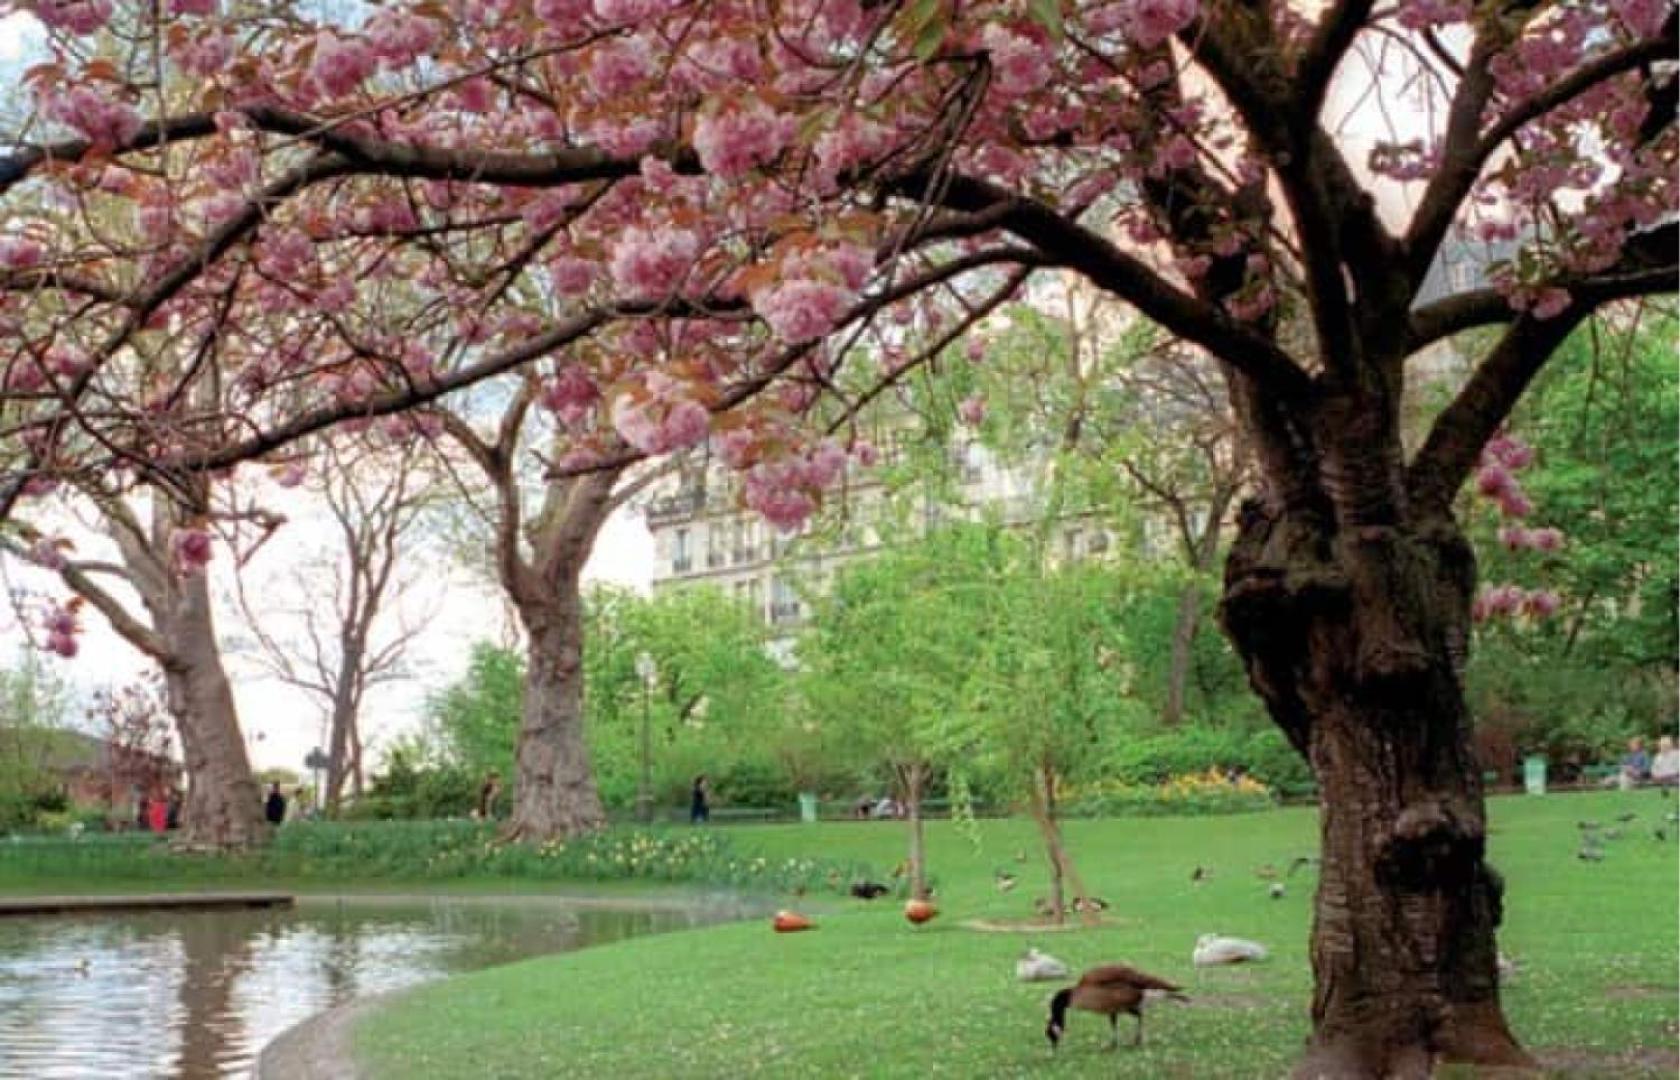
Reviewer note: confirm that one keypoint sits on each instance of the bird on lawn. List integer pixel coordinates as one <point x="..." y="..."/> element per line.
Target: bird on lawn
<point x="1004" y="880"/>
<point x="1588" y="826"/>
<point x="1268" y="872"/>
<point x="1627" y="817"/>
<point x="1300" y="861"/>
<point x="1590" y="854"/>
<point x="1108" y="991"/>
<point x="1660" y="833"/>
<point x="1276" y="890"/>
<point x="869" y="890"/>
<point x="1612" y="834"/>
<point x="1199" y="875"/>
<point x="1089" y="903"/>
<point x="1218" y="949"/>
<point x="1039" y="967"/>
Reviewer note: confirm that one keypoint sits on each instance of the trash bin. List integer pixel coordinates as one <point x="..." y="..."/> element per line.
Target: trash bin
<point x="807" y="807"/>
<point x="1534" y="774"/>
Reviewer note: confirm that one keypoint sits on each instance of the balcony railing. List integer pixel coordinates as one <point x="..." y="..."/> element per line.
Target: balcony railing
<point x="784" y="611"/>
<point x="683" y="504"/>
<point x="681" y="564"/>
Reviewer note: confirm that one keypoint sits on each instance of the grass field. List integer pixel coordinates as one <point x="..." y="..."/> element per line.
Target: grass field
<point x="868" y="996"/>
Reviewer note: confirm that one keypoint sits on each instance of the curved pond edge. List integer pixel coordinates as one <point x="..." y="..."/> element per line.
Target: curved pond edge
<point x="323" y="1046"/>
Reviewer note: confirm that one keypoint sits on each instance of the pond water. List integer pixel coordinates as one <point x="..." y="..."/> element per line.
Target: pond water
<point x="194" y="995"/>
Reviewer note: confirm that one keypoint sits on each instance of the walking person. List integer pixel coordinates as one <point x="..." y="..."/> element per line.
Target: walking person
<point x="275" y="808"/>
<point x="698" y="809"/>
<point x="488" y="792"/>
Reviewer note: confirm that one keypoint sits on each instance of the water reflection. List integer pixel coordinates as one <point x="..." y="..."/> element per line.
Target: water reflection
<point x="197" y="995"/>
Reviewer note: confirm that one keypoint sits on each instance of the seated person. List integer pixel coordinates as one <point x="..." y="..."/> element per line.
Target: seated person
<point x="1665" y="768"/>
<point x="1636" y="764"/>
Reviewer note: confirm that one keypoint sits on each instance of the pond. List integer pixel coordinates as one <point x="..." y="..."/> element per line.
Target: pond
<point x="192" y="995"/>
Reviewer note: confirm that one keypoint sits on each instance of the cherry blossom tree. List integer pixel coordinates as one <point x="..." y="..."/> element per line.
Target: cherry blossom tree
<point x="726" y="202"/>
<point x="163" y="552"/>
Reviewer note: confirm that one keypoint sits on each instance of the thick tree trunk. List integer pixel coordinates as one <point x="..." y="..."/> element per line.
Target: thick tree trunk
<point x="1355" y="638"/>
<point x="1183" y="640"/>
<point x="223" y="806"/>
<point x="554" y="788"/>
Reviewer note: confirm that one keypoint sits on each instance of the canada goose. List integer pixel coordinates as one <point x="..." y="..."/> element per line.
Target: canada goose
<point x="1300" y="861"/>
<point x="1199" y="875"/>
<point x="1039" y="967"/>
<point x="1588" y="826"/>
<point x="1108" y="991"/>
<point x="1088" y="903"/>
<point x="869" y="890"/>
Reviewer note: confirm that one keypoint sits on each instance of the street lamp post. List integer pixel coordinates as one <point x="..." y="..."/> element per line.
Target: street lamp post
<point x="647" y="671"/>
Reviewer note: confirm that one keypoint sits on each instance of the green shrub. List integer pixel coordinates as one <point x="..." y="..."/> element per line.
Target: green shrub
<point x="435" y="850"/>
<point x="1210" y="792"/>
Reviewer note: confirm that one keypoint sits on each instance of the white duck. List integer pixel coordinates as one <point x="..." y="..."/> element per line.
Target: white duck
<point x="1039" y="967"/>
<point x="1218" y="949"/>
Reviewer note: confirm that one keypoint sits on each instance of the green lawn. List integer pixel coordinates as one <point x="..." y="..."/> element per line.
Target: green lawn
<point x="866" y="995"/>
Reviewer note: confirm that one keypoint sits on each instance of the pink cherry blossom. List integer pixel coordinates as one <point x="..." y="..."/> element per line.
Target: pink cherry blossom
<point x="340" y="64"/>
<point x="571" y="275"/>
<point x="621" y="65"/>
<point x="1509" y="451"/>
<point x="1514" y="537"/>
<point x="802" y="310"/>
<point x="20" y="253"/>
<point x="399" y="39"/>
<point x="1541" y="603"/>
<point x="571" y="394"/>
<point x="1020" y="65"/>
<point x="865" y="454"/>
<point x="192" y="550"/>
<point x="1148" y="23"/>
<point x="102" y="121"/>
<point x="974" y="350"/>
<point x="1547" y="539"/>
<point x="81" y="17"/>
<point x="1513" y="503"/>
<point x="192" y="7"/>
<point x="649" y="265"/>
<point x="732" y="141"/>
<point x="290" y="475"/>
<point x="972" y="410"/>
<point x="1494" y="480"/>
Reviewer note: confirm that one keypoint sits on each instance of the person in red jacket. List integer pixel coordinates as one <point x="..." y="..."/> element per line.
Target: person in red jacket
<point x="157" y="814"/>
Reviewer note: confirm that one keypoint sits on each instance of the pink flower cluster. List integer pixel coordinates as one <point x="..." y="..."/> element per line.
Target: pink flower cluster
<point x="204" y="55"/>
<point x="786" y="491"/>
<point x="399" y="39"/>
<point x="684" y="423"/>
<point x="340" y="64"/>
<point x="571" y="395"/>
<point x="62" y="627"/>
<point x="1429" y="14"/>
<point x="192" y="550"/>
<point x="80" y="17"/>
<point x="649" y="265"/>
<point x="1502" y="458"/>
<point x="48" y="554"/>
<point x="1518" y="538"/>
<point x="972" y="410"/>
<point x="1148" y="23"/>
<point x="1509" y="601"/>
<point x="571" y="275"/>
<point x="733" y="140"/>
<point x="20" y="253"/>
<point x="620" y="66"/>
<point x="815" y="292"/>
<point x="1020" y="65"/>
<point x="802" y="310"/>
<point x="100" y="120"/>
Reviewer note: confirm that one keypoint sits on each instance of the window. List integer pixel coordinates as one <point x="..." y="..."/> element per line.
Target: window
<point x="1098" y="542"/>
<point x="784" y="602"/>
<point x="681" y="555"/>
